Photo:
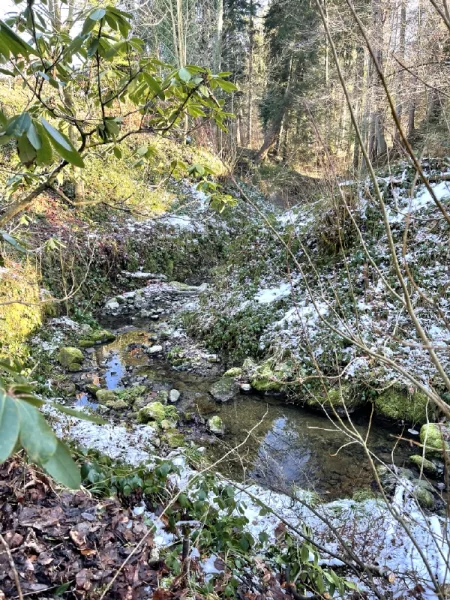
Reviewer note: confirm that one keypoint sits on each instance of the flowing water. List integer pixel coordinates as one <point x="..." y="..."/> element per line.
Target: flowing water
<point x="289" y="445"/>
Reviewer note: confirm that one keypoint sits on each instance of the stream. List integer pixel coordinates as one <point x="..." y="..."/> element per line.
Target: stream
<point x="290" y="447"/>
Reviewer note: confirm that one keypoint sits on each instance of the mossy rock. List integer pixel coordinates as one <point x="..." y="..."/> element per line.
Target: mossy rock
<point x="116" y="404"/>
<point x="216" y="425"/>
<point x="344" y="400"/>
<point x="174" y="438"/>
<point x="233" y="372"/>
<point x="425" y="465"/>
<point x="132" y="394"/>
<point x="100" y="336"/>
<point x="268" y="377"/>
<point x="400" y="405"/>
<point x="435" y="437"/>
<point x="156" y="411"/>
<point x="92" y="388"/>
<point x="162" y="396"/>
<point x="66" y="387"/>
<point x="71" y="358"/>
<point x="423" y="493"/>
<point x="224" y="389"/>
<point x="106" y="396"/>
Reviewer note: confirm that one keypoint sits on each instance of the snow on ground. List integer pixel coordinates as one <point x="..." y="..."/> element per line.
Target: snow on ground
<point x="268" y="295"/>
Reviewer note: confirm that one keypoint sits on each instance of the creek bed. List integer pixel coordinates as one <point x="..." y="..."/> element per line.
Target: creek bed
<point x="291" y="447"/>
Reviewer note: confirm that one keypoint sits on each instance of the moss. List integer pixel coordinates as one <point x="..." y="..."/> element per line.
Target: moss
<point x="156" y="411"/>
<point x="71" y="358"/>
<point x="423" y="464"/>
<point x="434" y="436"/>
<point x="343" y="399"/>
<point x="17" y="321"/>
<point x="116" y="404"/>
<point x="215" y="425"/>
<point x="174" y="438"/>
<point x="399" y="405"/>
<point x="423" y="494"/>
<point x="224" y="389"/>
<point x="234" y="372"/>
<point x="270" y="377"/>
<point x="131" y="394"/>
<point x="105" y="396"/>
<point x="101" y="336"/>
<point x="363" y="494"/>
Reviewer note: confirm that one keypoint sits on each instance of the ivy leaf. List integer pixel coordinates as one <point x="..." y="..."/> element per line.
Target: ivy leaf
<point x="9" y="425"/>
<point x="62" y="467"/>
<point x="62" y="145"/>
<point x="36" y="436"/>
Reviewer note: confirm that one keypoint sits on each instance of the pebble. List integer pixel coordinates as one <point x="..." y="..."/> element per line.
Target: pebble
<point x="245" y="388"/>
<point x="155" y="349"/>
<point x="174" y="396"/>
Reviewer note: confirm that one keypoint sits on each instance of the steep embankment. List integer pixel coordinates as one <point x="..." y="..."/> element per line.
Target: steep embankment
<point x="298" y="287"/>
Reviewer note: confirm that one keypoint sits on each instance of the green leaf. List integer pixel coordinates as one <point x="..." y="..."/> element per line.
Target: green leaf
<point x="184" y="74"/>
<point x="44" y="153"/>
<point x="15" y="44"/>
<point x="36" y="436"/>
<point x="27" y="153"/>
<point x="97" y="14"/>
<point x="62" y="145"/>
<point x="79" y="414"/>
<point x="117" y="152"/>
<point x="88" y="26"/>
<point x="33" y="137"/>
<point x="9" y="239"/>
<point x="62" y="467"/>
<point x="154" y="85"/>
<point x="7" y="72"/>
<point x="227" y="86"/>
<point x="9" y="425"/>
<point x="18" y="125"/>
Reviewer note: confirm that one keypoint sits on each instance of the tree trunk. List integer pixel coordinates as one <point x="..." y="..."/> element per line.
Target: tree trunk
<point x="273" y="132"/>
<point x="250" y="77"/>
<point x="219" y="34"/>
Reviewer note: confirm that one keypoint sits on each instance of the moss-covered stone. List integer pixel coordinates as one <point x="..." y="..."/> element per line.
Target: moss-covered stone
<point x="233" y="372"/>
<point x="435" y="437"/>
<point x="423" y="464"/>
<point x="400" y="405"/>
<point x="344" y="399"/>
<point x="174" y="438"/>
<point x="71" y="358"/>
<point x="92" y="388"/>
<point x="100" y="336"/>
<point x="269" y="377"/>
<point x="105" y="396"/>
<point x="116" y="404"/>
<point x="132" y="394"/>
<point x="216" y="425"/>
<point x="156" y="411"/>
<point x="224" y="389"/>
<point x="423" y="493"/>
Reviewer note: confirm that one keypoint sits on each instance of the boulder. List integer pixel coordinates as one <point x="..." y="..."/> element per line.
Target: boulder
<point x="398" y="404"/>
<point x="435" y="437"/>
<point x="344" y="400"/>
<point x="423" y="493"/>
<point x="99" y="336"/>
<point x="216" y="425"/>
<point x="425" y="465"/>
<point x="224" y="389"/>
<point x="105" y="396"/>
<point x="156" y="411"/>
<point x="116" y="404"/>
<point x="71" y="358"/>
<point x="92" y="388"/>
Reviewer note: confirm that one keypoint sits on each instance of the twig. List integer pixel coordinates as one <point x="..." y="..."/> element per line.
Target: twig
<point x="13" y="567"/>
